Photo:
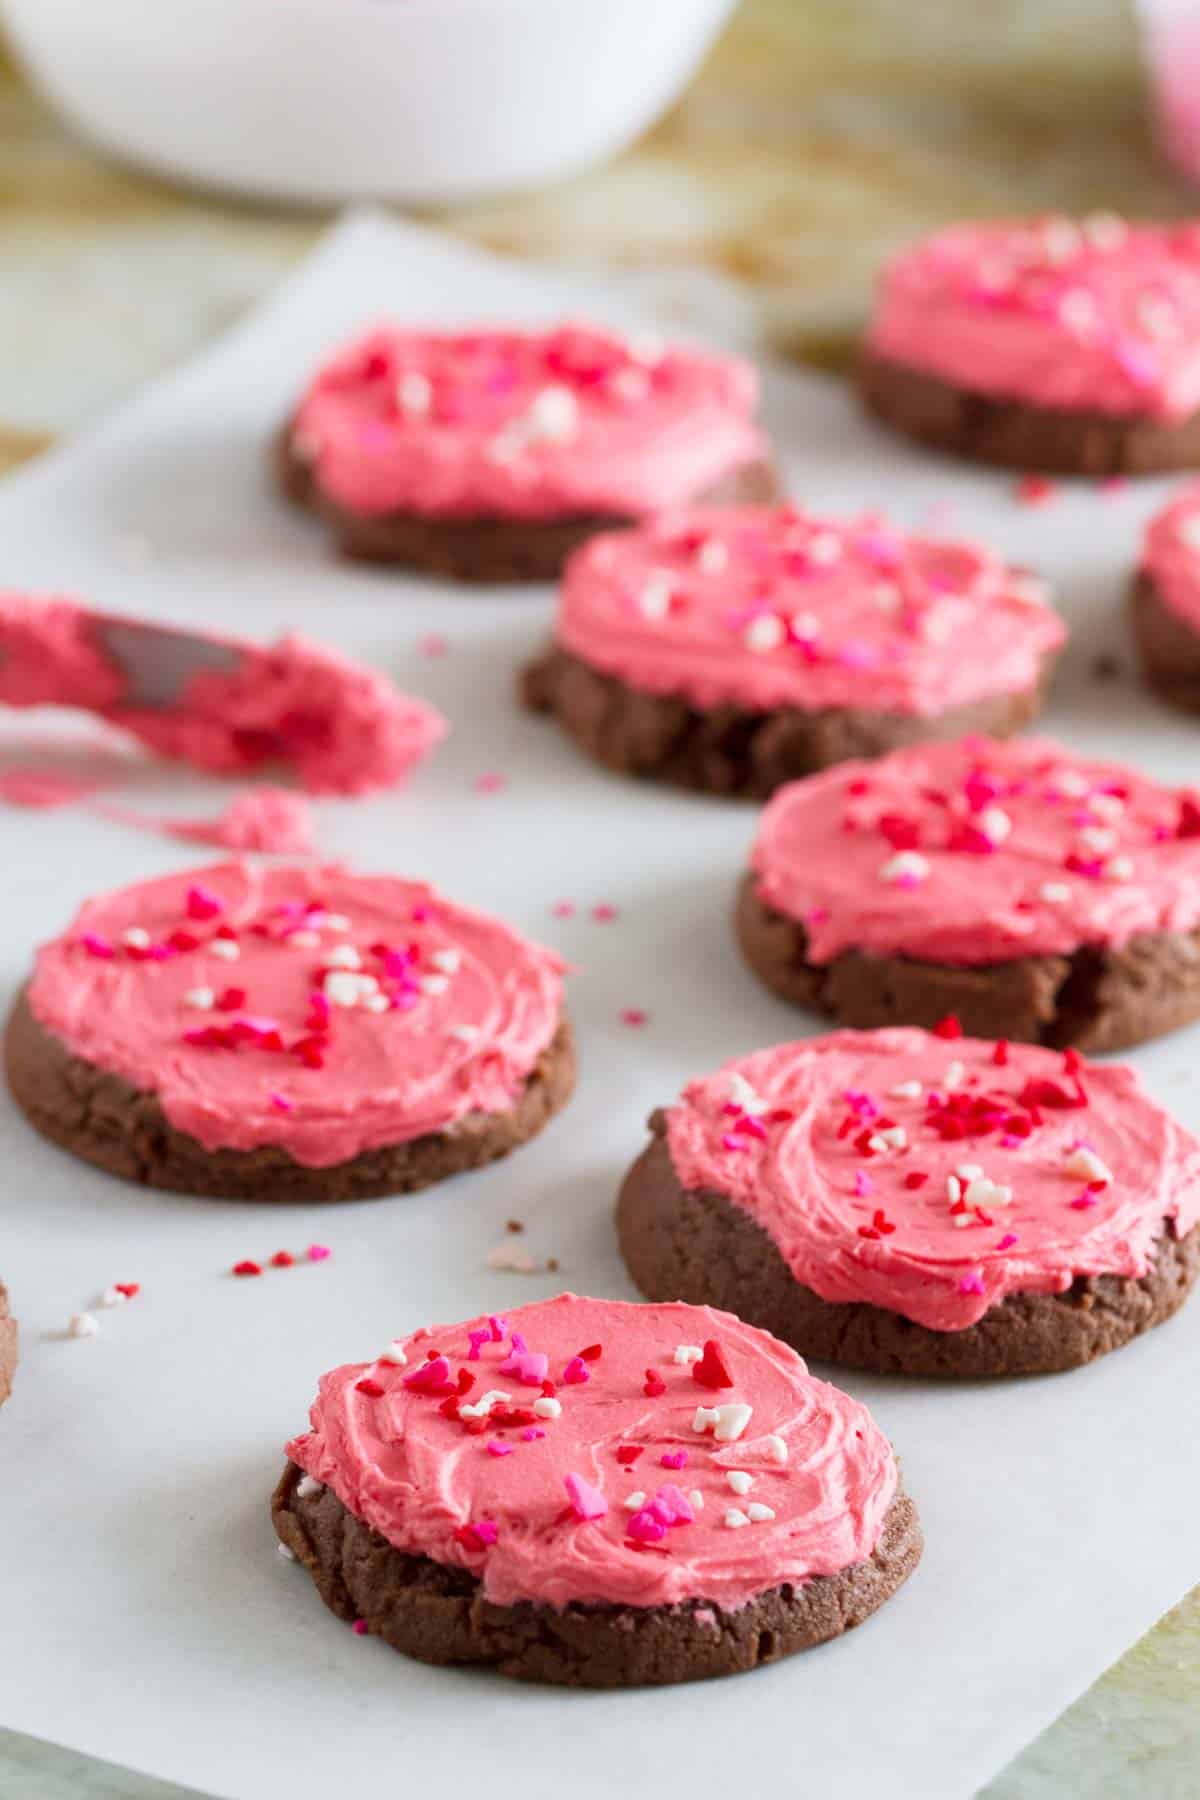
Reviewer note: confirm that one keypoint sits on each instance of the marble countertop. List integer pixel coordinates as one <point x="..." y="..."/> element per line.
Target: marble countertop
<point x="820" y="134"/>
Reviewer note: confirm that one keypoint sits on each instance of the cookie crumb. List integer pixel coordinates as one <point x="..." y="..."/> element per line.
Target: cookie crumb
<point x="1106" y="667"/>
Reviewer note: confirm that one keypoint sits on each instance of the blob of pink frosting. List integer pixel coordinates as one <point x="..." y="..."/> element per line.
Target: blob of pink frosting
<point x="470" y="1005"/>
<point x="882" y="1219"/>
<point x="340" y="726"/>
<point x="775" y="607"/>
<point x="1076" y="316"/>
<point x="533" y="425"/>
<point x="978" y="852"/>
<point x="422" y="1479"/>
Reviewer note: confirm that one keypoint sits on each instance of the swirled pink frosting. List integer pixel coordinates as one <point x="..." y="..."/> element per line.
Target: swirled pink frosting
<point x="530" y="425"/>
<point x="935" y="1176"/>
<point x="774" y="607"/>
<point x="539" y="1506"/>
<point x="308" y="1007"/>
<point x="342" y="727"/>
<point x="1171" y="554"/>
<point x="1090" y="316"/>
<point x="978" y="852"/>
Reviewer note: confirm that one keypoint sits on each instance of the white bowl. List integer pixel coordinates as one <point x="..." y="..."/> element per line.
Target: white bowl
<point x="330" y="100"/>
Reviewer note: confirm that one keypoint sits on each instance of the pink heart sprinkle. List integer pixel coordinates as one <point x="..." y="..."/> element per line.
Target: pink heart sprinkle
<point x="319" y="1252"/>
<point x="587" y="1500"/>
<point x="644" y="1528"/>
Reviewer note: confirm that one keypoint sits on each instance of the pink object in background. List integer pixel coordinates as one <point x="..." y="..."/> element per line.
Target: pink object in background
<point x="1171" y="44"/>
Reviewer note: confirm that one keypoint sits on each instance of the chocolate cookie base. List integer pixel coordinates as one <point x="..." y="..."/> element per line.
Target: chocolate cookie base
<point x="438" y="1613"/>
<point x="106" y="1121"/>
<point x="1098" y="998"/>
<point x="1168" y="646"/>
<point x="483" y="549"/>
<point x="702" y="1247"/>
<point x="728" y="750"/>
<point x="1019" y="436"/>
<point x="8" y="1346"/>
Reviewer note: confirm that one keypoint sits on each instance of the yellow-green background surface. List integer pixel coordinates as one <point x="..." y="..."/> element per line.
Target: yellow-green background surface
<point x="819" y="134"/>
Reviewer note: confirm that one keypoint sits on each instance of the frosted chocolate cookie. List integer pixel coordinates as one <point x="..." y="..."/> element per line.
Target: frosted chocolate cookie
<point x="1044" y="344"/>
<point x="286" y="1033"/>
<point x="490" y="455"/>
<point x="735" y="650"/>
<point x="595" y="1494"/>
<point x="920" y="1204"/>
<point x="1033" y="893"/>
<point x="1166" y="601"/>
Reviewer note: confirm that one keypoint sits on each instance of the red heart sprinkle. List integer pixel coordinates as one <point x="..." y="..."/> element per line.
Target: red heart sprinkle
<point x="711" y="1371"/>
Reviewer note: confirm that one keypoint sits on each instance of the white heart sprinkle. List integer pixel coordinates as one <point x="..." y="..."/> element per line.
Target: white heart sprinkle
<point x="414" y="393"/>
<point x="1086" y="1164"/>
<point x="764" y="633"/>
<point x="739" y="1481"/>
<point x="712" y="557"/>
<point x="906" y="865"/>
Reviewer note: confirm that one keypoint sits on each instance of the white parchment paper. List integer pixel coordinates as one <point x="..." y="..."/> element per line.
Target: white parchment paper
<point x="145" y="1614"/>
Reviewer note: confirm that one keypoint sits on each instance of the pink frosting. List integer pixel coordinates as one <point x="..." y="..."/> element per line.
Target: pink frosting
<point x="272" y="820"/>
<point x="537" y="1506"/>
<point x="319" y="1010"/>
<point x="342" y="727"/>
<point x="767" y="608"/>
<point x="573" y="420"/>
<point x="1095" y="316"/>
<point x="936" y="1176"/>
<point x="1171" y="554"/>
<point x="978" y="852"/>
